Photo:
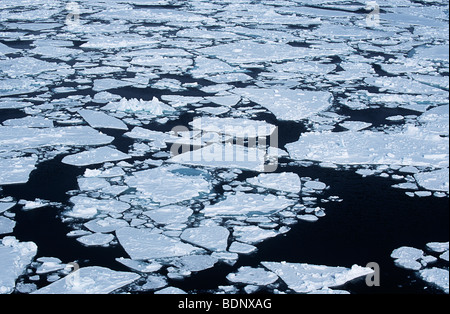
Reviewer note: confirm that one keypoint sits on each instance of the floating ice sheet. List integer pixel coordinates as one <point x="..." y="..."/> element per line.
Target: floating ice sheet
<point x="224" y="156"/>
<point x="213" y="238"/>
<point x="304" y="278"/>
<point x="90" y="280"/>
<point x="169" y="214"/>
<point x="168" y="185"/>
<point x="253" y="276"/>
<point x="86" y="207"/>
<point x="19" y="138"/>
<point x="248" y="204"/>
<point x="287" y="181"/>
<point x="410" y="147"/>
<point x="14" y="258"/>
<point x="16" y="170"/>
<point x="437" y="180"/>
<point x="288" y="104"/>
<point x="6" y="225"/>
<point x="97" y="119"/>
<point x="95" y="156"/>
<point x="143" y="244"/>
<point x="154" y="106"/>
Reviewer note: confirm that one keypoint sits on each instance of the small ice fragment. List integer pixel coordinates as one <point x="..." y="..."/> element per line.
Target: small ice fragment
<point x="170" y="290"/>
<point x="140" y="266"/>
<point x="315" y="185"/>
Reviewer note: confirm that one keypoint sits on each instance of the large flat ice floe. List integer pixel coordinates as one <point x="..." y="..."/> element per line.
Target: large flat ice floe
<point x="95" y="156"/>
<point x="288" y="104"/>
<point x="16" y="170"/>
<point x="90" y="280"/>
<point x="168" y="185"/>
<point x="144" y="244"/>
<point x="15" y="256"/>
<point x="19" y="138"/>
<point x="224" y="156"/>
<point x="306" y="278"/>
<point x="98" y="119"/>
<point x="409" y="148"/>
<point x="248" y="204"/>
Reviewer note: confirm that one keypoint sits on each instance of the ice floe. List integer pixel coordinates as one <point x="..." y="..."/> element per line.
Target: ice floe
<point x="16" y="170"/>
<point x="167" y="184"/>
<point x="142" y="244"/>
<point x="97" y="119"/>
<point x="213" y="238"/>
<point x="90" y="280"/>
<point x="248" y="203"/>
<point x="287" y="181"/>
<point x="288" y="104"/>
<point x="425" y="264"/>
<point x="95" y="156"/>
<point x="15" y="256"/>
<point x="305" y="278"/>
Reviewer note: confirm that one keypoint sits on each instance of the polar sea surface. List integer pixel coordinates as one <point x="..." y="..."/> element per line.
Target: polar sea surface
<point x="169" y="146"/>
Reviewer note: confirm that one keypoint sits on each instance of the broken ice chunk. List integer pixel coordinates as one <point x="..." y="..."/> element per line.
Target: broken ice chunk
<point x="96" y="239"/>
<point x="169" y="214"/>
<point x="90" y="280"/>
<point x="288" y="104"/>
<point x="166" y="186"/>
<point x="15" y="256"/>
<point x="6" y="206"/>
<point x="408" y="257"/>
<point x="105" y="225"/>
<point x="195" y="263"/>
<point x="140" y="266"/>
<point x="107" y="84"/>
<point x="6" y="225"/>
<point x="224" y="156"/>
<point x="287" y="181"/>
<point x="31" y="122"/>
<point x="95" y="156"/>
<point x="86" y="208"/>
<point x="436" y="276"/>
<point x="437" y="180"/>
<point x="97" y="119"/>
<point x="240" y="128"/>
<point x="438" y="247"/>
<point x="304" y="278"/>
<point x="248" y="203"/>
<point x="143" y="244"/>
<point x="241" y="248"/>
<point x="154" y="107"/>
<point x="213" y="238"/>
<point x="253" y="276"/>
<point x="16" y="170"/>
<point x="252" y="234"/>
